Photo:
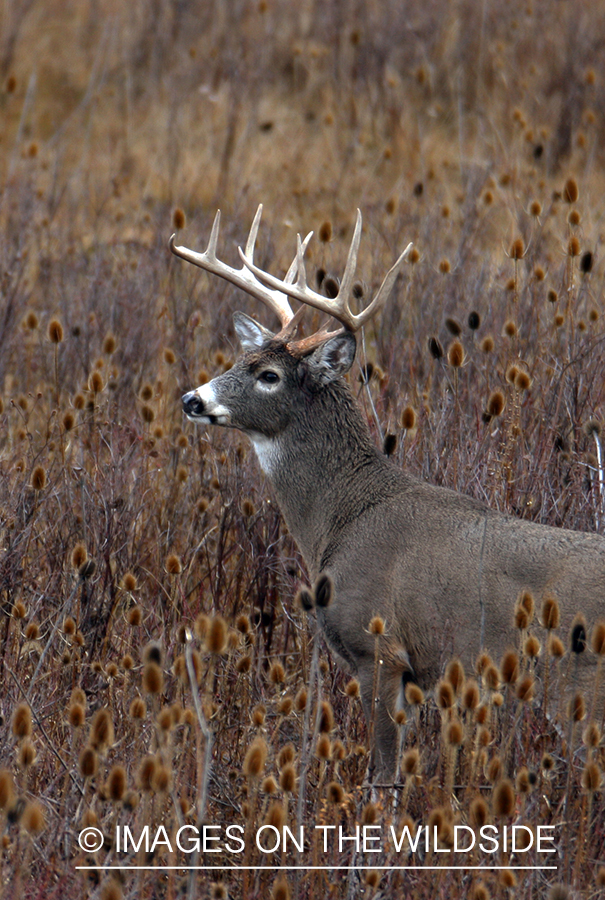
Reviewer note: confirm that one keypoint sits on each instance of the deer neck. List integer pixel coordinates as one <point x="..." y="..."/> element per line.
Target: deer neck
<point x="325" y="470"/>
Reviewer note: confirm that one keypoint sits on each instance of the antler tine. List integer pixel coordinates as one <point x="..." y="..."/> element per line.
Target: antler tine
<point x="211" y="248"/>
<point x="384" y="290"/>
<point x="243" y="278"/>
<point x="346" y="285"/>
<point x="297" y="263"/>
<point x="251" y="242"/>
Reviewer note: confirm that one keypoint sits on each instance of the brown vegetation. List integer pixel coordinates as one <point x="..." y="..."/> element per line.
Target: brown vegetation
<point x="155" y="669"/>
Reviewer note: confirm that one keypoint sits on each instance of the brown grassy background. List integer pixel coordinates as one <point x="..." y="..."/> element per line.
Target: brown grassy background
<point x="454" y="126"/>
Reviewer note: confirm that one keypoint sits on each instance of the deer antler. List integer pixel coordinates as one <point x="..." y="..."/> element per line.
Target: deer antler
<point x="274" y="292"/>
<point x="244" y="278"/>
<point x="338" y="307"/>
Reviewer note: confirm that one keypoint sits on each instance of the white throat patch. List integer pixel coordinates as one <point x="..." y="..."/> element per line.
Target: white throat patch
<point x="267" y="452"/>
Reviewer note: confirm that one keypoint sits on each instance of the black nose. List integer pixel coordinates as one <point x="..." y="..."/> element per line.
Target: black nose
<point x="192" y="405"/>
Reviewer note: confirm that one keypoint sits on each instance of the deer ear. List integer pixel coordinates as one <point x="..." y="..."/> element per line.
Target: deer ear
<point x="333" y="358"/>
<point x="251" y="334"/>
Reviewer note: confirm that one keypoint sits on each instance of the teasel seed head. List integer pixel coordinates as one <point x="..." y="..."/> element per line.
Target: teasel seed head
<point x="326" y="718"/>
<point x="26" y="756"/>
<point x="162" y="778"/>
<point x="269" y="785"/>
<point x="592" y="735"/>
<point x="55" y="331"/>
<point x="116" y="783"/>
<point x="526" y="689"/>
<point x="76" y="715"/>
<point x="281" y="889"/>
<point x="550" y="615"/>
<point x="277" y="673"/>
<point x="495" y="404"/>
<point x="376" y="625"/>
<point x="244" y="664"/>
<point x="577" y="637"/>
<point x="577" y="708"/>
<point x="101" y="730"/>
<point x="352" y="688"/>
<point x="408" y="418"/>
<point x="488" y="344"/>
<point x="480" y="892"/>
<point x="492" y="678"/>
<point x="494" y="769"/>
<point x="571" y="192"/>
<point x="21" y="722"/>
<point x="138" y="708"/>
<point x="521" y="618"/>
<point x="503" y="799"/>
<point x="454" y="733"/>
<point x="287" y="778"/>
<point x="325" y="232"/>
<point x="335" y="793"/>
<point x="555" y="646"/>
<point x="592" y="777"/>
<point x="216" y="638"/>
<point x="478" y="812"/>
<point x="146" y="773"/>
<point x="111" y="889"/>
<point x="259" y="714"/>
<point x="174" y="566"/>
<point x="7" y="789"/>
<point x="276" y="815"/>
<point x="305" y="599"/>
<point x="414" y="694"/>
<point x="254" y="761"/>
<point x="33" y="818"/>
<point x="153" y="678"/>
<point x="470" y="695"/>
<point x="454" y="674"/>
<point x="323" y="749"/>
<point x="597" y="638"/>
<point x="79" y="556"/>
<point x="39" y="478"/>
<point x="369" y="814"/>
<point x="455" y="355"/>
<point x="435" y="348"/>
<point x="410" y="763"/>
<point x="559" y="891"/>
<point x="372" y="878"/>
<point x="88" y="762"/>
<point x="517" y="249"/>
<point x="531" y="647"/>
<point x="300" y="701"/>
<point x="445" y="695"/>
<point x="586" y="262"/>
<point x="509" y="667"/>
<point x="323" y="591"/>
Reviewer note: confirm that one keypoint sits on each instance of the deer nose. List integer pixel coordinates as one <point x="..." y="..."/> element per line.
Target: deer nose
<point x="193" y="405"/>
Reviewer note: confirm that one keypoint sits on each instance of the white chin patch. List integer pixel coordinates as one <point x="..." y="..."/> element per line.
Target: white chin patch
<point x="216" y="413"/>
<point x="266" y="451"/>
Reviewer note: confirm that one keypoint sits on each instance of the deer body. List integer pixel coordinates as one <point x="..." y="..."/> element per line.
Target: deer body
<point x="441" y="569"/>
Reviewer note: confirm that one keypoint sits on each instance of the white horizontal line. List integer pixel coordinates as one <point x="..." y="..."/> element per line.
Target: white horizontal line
<point x="307" y="868"/>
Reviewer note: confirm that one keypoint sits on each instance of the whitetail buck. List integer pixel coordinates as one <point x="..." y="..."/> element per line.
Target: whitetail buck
<point x="441" y="569"/>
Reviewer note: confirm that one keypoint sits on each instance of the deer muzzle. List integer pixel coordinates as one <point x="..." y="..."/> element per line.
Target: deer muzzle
<point x="204" y="408"/>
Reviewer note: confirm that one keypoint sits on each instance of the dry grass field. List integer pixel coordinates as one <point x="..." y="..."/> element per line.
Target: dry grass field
<point x="155" y="668"/>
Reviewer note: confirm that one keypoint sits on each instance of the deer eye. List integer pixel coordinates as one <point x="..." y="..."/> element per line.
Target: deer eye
<point x="269" y="377"/>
